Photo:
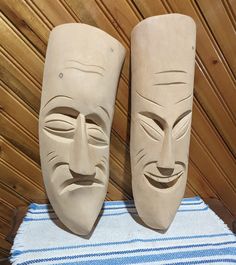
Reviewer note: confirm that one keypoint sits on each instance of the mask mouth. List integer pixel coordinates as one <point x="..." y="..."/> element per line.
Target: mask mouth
<point x="78" y="181"/>
<point x="163" y="182"/>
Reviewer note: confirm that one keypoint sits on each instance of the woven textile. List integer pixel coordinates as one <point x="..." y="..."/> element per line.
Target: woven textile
<point x="196" y="236"/>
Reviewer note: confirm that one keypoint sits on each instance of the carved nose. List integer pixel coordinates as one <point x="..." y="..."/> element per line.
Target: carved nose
<point x="166" y="161"/>
<point x="80" y="161"/>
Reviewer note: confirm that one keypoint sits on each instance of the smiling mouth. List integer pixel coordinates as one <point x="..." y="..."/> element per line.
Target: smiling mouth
<point x="163" y="182"/>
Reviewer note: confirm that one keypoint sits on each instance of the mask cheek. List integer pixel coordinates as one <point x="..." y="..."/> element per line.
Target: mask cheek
<point x="182" y="149"/>
<point x="99" y="158"/>
<point x="55" y="153"/>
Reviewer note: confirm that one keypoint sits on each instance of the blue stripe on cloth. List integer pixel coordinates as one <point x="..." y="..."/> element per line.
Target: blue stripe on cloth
<point x="206" y="261"/>
<point x="28" y="219"/>
<point x="18" y="252"/>
<point x="138" y="259"/>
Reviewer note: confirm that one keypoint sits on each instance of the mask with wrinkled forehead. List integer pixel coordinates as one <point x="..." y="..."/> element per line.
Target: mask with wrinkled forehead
<point x="80" y="79"/>
<point x="163" y="52"/>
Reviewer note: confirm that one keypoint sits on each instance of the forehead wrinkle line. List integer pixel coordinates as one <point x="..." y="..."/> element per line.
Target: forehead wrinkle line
<point x="171" y="71"/>
<point x="149" y="100"/>
<point x="84" y="71"/>
<point x="89" y="65"/>
<point x="55" y="97"/>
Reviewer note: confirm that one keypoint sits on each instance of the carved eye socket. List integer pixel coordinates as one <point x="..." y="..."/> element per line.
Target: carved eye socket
<point x="60" y="125"/>
<point x="96" y="136"/>
<point x="153" y="128"/>
<point x="181" y="126"/>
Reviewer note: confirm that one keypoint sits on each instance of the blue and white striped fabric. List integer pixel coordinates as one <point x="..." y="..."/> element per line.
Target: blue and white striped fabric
<point x="197" y="236"/>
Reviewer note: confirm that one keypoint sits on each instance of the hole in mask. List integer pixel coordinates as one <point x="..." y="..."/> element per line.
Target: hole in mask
<point x="158" y="120"/>
<point x="65" y="111"/>
<point x="181" y="117"/>
<point x="159" y="124"/>
<point x="90" y="121"/>
<point x="161" y="185"/>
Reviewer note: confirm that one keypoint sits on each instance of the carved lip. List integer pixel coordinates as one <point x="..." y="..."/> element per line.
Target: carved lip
<point x="81" y="181"/>
<point x="163" y="179"/>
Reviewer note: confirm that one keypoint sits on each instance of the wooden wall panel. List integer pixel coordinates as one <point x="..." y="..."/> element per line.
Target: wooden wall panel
<point x="25" y="26"/>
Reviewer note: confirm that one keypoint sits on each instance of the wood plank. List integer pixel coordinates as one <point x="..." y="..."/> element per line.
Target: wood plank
<point x="19" y="183"/>
<point x="5" y="227"/>
<point x="15" y="44"/>
<point x="210" y="55"/>
<point x="120" y="150"/>
<point x="150" y="8"/>
<point x="28" y="23"/>
<point x="13" y="107"/>
<point x="18" y="80"/>
<point x="121" y="124"/>
<point x="210" y="171"/>
<point x="232" y="5"/>
<point x="25" y="165"/>
<point x="54" y="11"/>
<point x="15" y="134"/>
<point x="4" y="247"/>
<point x="213" y="143"/>
<point x="122" y="14"/>
<point x="222" y="28"/>
<point x="6" y="211"/>
<point x="114" y="193"/>
<point x="120" y="176"/>
<point x="206" y="96"/>
<point x="199" y="183"/>
<point x="11" y="197"/>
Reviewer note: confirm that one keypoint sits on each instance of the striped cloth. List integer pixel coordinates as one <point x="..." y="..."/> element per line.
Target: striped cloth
<point x="196" y="236"/>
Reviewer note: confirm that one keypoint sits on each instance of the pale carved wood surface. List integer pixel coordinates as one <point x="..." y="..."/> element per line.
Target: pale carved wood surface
<point x="25" y="27"/>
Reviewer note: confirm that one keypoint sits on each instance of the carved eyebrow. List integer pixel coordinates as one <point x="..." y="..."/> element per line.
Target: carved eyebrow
<point x="86" y="68"/>
<point x="149" y="100"/>
<point x="186" y="98"/>
<point x="106" y="111"/>
<point x="58" y="96"/>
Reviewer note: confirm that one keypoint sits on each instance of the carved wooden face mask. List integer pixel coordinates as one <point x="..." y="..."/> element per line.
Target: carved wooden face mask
<point x="81" y="74"/>
<point x="163" y="52"/>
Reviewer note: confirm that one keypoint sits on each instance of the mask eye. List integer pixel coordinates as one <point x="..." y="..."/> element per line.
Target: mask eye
<point x="153" y="128"/>
<point x="182" y="125"/>
<point x="60" y="125"/>
<point x="96" y="136"/>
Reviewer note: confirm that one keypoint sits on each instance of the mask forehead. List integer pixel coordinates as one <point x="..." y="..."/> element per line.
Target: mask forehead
<point x="79" y="69"/>
<point x="166" y="73"/>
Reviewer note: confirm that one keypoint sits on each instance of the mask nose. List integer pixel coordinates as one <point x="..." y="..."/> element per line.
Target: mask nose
<point x="166" y="162"/>
<point x="80" y="161"/>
